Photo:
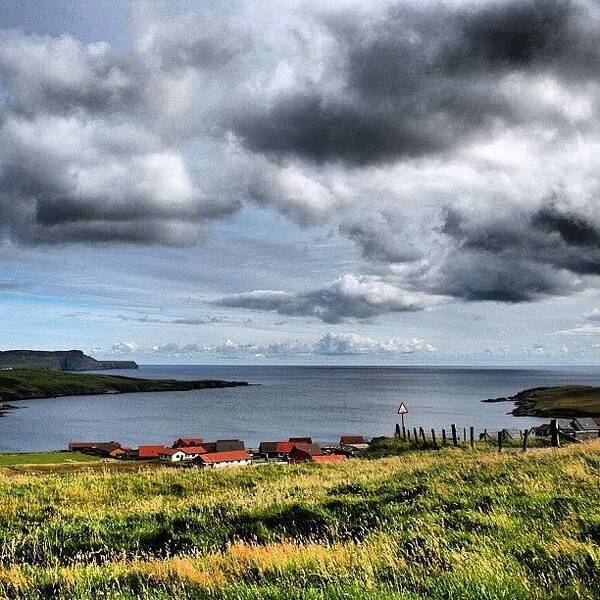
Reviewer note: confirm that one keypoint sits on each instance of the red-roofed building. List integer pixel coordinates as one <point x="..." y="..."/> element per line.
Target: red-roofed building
<point x="220" y="460"/>
<point x="188" y="442"/>
<point x="149" y="452"/>
<point x="301" y="440"/>
<point x="276" y="450"/>
<point x="181" y="454"/>
<point x="304" y="452"/>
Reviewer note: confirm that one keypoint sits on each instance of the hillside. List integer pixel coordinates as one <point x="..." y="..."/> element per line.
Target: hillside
<point x="25" y="384"/>
<point x="68" y="360"/>
<point x="562" y="401"/>
<point x="437" y="525"/>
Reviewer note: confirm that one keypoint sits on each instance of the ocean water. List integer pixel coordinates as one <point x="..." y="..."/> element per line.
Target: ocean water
<point x="322" y="402"/>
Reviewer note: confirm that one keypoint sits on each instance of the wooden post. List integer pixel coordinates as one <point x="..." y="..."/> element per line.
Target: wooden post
<point x="525" y="436"/>
<point x="409" y="436"/>
<point x="454" y="438"/>
<point x="472" y="436"/>
<point x="444" y="437"/>
<point x="554" y="433"/>
<point x="485" y="434"/>
<point x="500" y="438"/>
<point x="464" y="434"/>
<point x="422" y="432"/>
<point x="416" y="436"/>
<point x="397" y="433"/>
<point x="403" y="428"/>
<point x="433" y="438"/>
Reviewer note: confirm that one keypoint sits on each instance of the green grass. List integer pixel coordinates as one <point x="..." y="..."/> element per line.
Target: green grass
<point x="24" y="384"/>
<point x="45" y="458"/>
<point x="562" y="401"/>
<point x="452" y="523"/>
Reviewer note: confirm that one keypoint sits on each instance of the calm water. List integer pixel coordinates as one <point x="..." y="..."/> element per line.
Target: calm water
<point x="319" y="401"/>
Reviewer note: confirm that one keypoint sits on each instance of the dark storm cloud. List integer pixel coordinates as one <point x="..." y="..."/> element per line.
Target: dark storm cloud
<point x="518" y="256"/>
<point x="421" y="80"/>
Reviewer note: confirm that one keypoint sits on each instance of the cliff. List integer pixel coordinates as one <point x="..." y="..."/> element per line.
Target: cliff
<point x="68" y="360"/>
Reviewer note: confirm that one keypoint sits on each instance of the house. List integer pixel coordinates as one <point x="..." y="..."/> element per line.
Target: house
<point x="110" y="449"/>
<point x="302" y="452"/>
<point x="221" y="460"/>
<point x="187" y="442"/>
<point x="276" y="450"/>
<point x="229" y="446"/>
<point x="149" y="452"/>
<point x="584" y="424"/>
<point x="301" y="440"/>
<point x="181" y="454"/>
<point x="356" y="442"/>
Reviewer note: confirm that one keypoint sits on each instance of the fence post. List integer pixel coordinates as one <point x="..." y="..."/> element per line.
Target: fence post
<point x="464" y="434"/>
<point x="525" y="436"/>
<point x="554" y="433"/>
<point x="444" y="437"/>
<point x="500" y="438"/>
<point x="397" y="433"/>
<point x="454" y="439"/>
<point x="422" y="431"/>
<point x="472" y="436"/>
<point x="416" y="436"/>
<point x="433" y="438"/>
<point x="408" y="431"/>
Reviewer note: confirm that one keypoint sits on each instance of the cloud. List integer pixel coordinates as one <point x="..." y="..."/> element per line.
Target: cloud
<point x="347" y="344"/>
<point x="587" y="329"/>
<point x="347" y="297"/>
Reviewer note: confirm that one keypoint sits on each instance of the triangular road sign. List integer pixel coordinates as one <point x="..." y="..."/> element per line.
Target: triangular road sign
<point x="402" y="410"/>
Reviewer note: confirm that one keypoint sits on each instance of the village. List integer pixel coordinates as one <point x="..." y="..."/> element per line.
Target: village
<point x="194" y="451"/>
<point x="224" y="453"/>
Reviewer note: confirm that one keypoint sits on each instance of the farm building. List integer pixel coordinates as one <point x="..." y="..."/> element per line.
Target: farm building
<point x="304" y="452"/>
<point x="229" y="446"/>
<point x="110" y="449"/>
<point x="221" y="460"/>
<point x="149" y="452"/>
<point x="276" y="450"/>
<point x="187" y="442"/>
<point x="181" y="454"/>
<point x="301" y="440"/>
<point x="356" y="442"/>
<point x="327" y="458"/>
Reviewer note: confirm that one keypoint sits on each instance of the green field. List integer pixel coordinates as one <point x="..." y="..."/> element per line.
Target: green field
<point x="25" y="384"/>
<point x="562" y="401"/>
<point x="446" y="524"/>
<point x="45" y="458"/>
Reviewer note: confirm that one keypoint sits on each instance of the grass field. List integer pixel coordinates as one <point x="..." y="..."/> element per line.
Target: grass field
<point x="454" y="523"/>
<point x="45" y="458"/>
<point x="562" y="401"/>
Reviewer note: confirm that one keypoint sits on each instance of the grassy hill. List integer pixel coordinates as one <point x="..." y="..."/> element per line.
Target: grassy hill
<point x="562" y="401"/>
<point x="64" y="360"/>
<point x="25" y="384"/>
<point x="449" y="524"/>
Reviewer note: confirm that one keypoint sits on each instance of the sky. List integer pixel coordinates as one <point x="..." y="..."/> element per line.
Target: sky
<point x="323" y="182"/>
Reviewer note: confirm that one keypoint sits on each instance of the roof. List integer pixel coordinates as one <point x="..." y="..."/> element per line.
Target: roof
<point x="329" y="458"/>
<point x="350" y="440"/>
<point x="149" y="451"/>
<point x="303" y="440"/>
<point x="218" y="457"/>
<point x="282" y="447"/>
<point x="584" y="423"/>
<point x="194" y="441"/>
<point x="228" y="445"/>
<point x="194" y="449"/>
<point x="312" y="449"/>
<point x="171" y="451"/>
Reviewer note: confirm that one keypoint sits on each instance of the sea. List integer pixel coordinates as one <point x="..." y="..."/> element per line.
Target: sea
<point x="320" y="402"/>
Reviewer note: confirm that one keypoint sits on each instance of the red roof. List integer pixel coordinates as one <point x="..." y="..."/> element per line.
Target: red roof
<point x="171" y="451"/>
<point x="194" y="450"/>
<point x="352" y="439"/>
<point x="281" y="447"/>
<point x="196" y="441"/>
<point x="329" y="458"/>
<point x="150" y="451"/>
<point x="217" y="457"/>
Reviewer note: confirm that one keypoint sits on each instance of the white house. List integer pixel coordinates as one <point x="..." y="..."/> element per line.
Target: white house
<point x="221" y="460"/>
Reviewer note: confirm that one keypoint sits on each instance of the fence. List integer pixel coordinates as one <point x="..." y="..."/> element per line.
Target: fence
<point x="503" y="439"/>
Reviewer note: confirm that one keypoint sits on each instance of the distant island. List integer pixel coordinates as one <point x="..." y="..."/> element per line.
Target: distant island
<point x="64" y="360"/>
<point x="29" y="384"/>
<point x="560" y="401"/>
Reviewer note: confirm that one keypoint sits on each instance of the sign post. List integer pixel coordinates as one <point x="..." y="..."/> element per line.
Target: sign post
<point x="402" y="410"/>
